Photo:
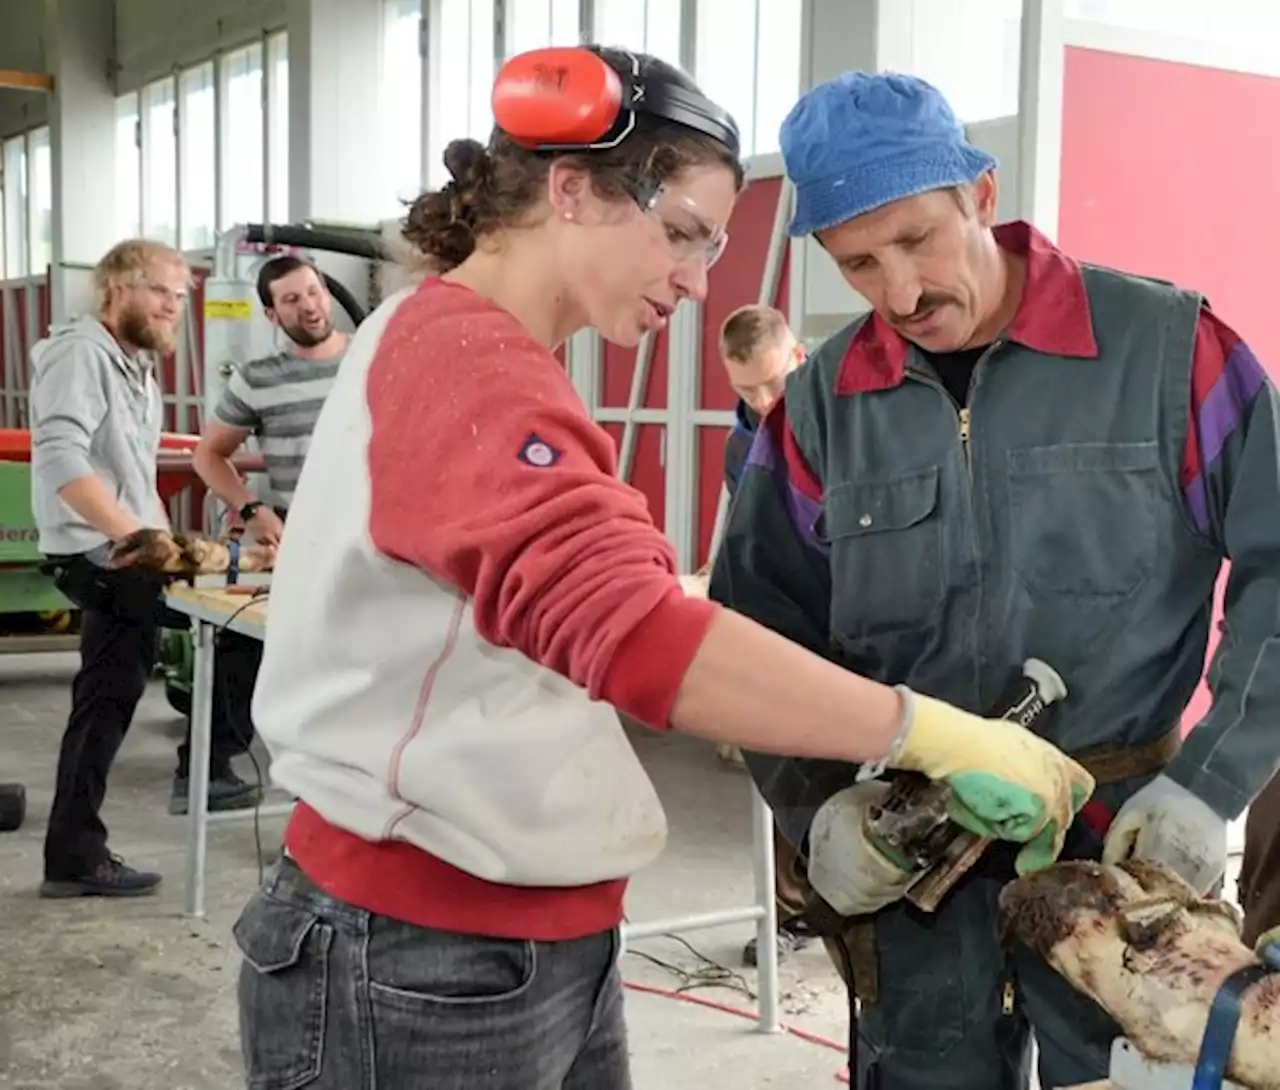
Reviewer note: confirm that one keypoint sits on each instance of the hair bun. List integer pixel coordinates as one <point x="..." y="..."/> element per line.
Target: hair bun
<point x="468" y="163"/>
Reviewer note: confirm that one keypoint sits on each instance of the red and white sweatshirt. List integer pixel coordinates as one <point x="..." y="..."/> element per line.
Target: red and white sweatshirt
<point x="465" y="593"/>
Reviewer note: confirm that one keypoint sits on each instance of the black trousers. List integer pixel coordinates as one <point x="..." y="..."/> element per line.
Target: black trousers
<point x="122" y="612"/>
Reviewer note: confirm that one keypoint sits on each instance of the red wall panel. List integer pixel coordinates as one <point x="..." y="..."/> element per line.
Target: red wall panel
<point x="619" y="366"/>
<point x="648" y="474"/>
<point x="734" y="282"/>
<point x="1167" y="171"/>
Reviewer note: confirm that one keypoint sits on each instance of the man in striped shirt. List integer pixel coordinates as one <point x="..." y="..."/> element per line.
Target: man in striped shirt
<point x="277" y="398"/>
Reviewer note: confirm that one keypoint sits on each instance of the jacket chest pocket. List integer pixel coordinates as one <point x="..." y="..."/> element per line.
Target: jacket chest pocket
<point x="886" y="553"/>
<point x="1084" y="518"/>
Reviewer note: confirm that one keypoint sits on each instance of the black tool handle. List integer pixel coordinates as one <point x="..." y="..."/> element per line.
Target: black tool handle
<point x="1029" y="694"/>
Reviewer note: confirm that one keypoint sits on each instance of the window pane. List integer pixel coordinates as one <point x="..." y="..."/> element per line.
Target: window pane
<point x="464" y="79"/>
<point x="1244" y="24"/>
<point x="15" y="206"/>
<point x="566" y="22"/>
<point x="534" y="24"/>
<point x="400" y="139"/>
<point x="41" y="204"/>
<point x="159" y="164"/>
<point x="480" y="83"/>
<point x="662" y="29"/>
<point x="128" y="168"/>
<point x="241" y="137"/>
<point x="969" y="50"/>
<point x="197" y="139"/>
<point x="647" y="26"/>
<point x="620" y="23"/>
<point x="777" y="70"/>
<point x="278" y="128"/>
<point x="1181" y="17"/>
<point x="727" y="35"/>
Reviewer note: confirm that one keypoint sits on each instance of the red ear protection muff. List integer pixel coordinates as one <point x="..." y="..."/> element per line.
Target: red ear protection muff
<point x="569" y="98"/>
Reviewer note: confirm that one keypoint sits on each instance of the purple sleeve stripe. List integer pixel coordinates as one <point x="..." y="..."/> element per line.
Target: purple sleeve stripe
<point x="1216" y="419"/>
<point x="1228" y="402"/>
<point x="802" y="510"/>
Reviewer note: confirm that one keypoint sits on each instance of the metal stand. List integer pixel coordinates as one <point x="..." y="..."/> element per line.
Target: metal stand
<point x="199" y="819"/>
<point x="764" y="912"/>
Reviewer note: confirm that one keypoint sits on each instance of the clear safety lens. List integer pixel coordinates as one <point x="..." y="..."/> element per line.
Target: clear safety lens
<point x="690" y="234"/>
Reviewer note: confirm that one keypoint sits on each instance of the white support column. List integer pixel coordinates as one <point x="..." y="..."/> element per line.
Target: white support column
<point x="684" y="371"/>
<point x="584" y="357"/>
<point x="1040" y="114"/>
<point x="335" y="61"/>
<point x="82" y="127"/>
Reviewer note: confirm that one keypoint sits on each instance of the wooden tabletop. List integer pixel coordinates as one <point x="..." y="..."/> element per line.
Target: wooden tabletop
<point x="220" y="605"/>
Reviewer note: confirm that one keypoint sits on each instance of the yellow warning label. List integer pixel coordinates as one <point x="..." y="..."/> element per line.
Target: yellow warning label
<point x="240" y="310"/>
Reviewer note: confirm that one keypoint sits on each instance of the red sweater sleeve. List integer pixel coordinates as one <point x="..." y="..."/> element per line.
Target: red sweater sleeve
<point x="486" y="473"/>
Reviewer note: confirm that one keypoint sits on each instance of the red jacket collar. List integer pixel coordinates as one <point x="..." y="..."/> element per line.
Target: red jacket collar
<point x="1053" y="317"/>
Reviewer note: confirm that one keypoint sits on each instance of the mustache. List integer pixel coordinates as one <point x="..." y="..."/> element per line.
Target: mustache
<point x="926" y="305"/>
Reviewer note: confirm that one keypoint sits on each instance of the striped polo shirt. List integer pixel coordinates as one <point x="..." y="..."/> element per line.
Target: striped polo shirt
<point x="278" y="399"/>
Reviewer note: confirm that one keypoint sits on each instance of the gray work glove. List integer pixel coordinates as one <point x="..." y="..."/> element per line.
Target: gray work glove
<point x="845" y="869"/>
<point x="1165" y="823"/>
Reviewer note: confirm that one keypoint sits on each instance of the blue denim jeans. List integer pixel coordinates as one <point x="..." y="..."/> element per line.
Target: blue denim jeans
<point x="336" y="998"/>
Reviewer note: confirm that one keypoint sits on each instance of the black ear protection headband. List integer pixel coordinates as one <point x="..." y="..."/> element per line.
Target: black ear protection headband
<point x="569" y="98"/>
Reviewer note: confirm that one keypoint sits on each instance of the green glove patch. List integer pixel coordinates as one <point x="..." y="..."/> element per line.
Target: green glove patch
<point x="988" y="806"/>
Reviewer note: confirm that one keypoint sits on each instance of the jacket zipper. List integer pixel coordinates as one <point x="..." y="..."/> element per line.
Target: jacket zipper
<point x="965" y="413"/>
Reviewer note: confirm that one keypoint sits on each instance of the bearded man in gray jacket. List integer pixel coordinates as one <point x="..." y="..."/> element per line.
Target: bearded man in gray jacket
<point x="96" y="418"/>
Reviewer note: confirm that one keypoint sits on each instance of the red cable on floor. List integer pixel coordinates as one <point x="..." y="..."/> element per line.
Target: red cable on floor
<point x="741" y="1012"/>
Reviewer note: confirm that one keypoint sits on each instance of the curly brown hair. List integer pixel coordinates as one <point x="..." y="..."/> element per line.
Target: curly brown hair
<point x="495" y="187"/>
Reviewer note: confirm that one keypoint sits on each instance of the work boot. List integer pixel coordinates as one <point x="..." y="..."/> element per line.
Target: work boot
<point x="791" y="936"/>
<point x="227" y="791"/>
<point x="110" y="878"/>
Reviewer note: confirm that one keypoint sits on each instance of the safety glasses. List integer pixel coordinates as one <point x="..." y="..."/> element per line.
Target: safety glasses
<point x="691" y="236"/>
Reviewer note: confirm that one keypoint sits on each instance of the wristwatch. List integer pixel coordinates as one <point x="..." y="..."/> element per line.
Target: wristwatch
<point x="250" y="509"/>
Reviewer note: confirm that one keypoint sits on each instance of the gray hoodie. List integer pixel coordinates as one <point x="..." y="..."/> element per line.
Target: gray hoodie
<point x="94" y="410"/>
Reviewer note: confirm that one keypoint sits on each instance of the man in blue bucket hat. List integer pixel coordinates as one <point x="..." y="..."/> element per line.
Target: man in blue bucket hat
<point x="1013" y="455"/>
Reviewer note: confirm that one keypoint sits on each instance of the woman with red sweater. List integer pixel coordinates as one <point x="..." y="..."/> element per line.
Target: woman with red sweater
<point x="467" y="595"/>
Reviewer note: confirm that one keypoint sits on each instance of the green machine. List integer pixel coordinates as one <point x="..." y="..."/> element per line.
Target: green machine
<point x="32" y="607"/>
<point x="28" y="598"/>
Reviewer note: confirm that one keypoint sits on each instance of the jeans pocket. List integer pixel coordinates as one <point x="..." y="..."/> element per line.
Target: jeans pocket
<point x="284" y="985"/>
<point x="412" y="967"/>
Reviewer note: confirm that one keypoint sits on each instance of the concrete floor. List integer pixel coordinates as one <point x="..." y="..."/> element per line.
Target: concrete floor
<point x="98" y="995"/>
<point x="101" y="995"/>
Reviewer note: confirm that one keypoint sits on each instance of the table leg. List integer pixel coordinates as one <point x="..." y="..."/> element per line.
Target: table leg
<point x="766" y="898"/>
<point x="198" y="771"/>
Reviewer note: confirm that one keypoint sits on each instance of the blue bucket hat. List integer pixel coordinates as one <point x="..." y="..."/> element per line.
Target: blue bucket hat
<point x="862" y="140"/>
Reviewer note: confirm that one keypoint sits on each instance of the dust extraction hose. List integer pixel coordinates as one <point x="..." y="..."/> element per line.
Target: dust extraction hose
<point x="346" y="300"/>
<point x="335" y="242"/>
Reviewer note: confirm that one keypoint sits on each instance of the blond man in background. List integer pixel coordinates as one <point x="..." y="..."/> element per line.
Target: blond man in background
<point x="96" y="419"/>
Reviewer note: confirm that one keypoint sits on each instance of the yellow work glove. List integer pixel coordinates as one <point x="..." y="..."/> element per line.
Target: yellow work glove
<point x="1006" y="782"/>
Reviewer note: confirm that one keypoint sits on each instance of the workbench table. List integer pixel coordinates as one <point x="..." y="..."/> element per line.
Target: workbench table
<point x="213" y="607"/>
